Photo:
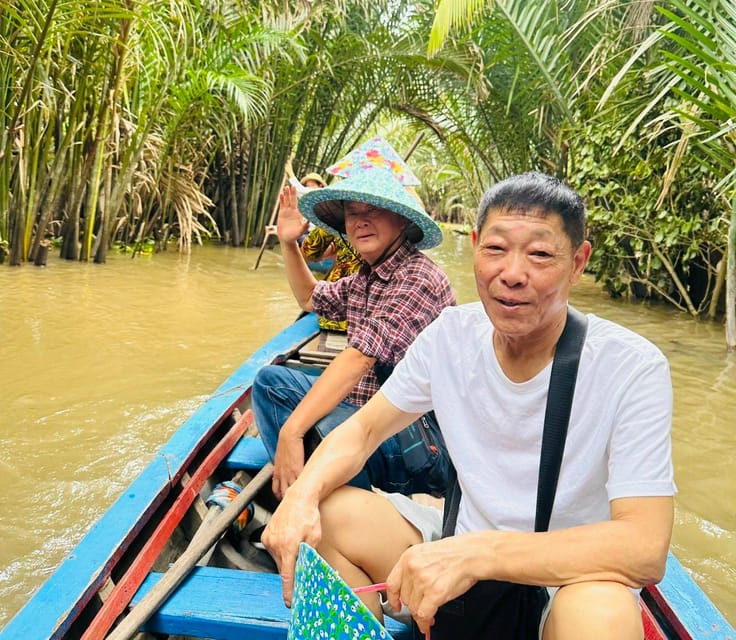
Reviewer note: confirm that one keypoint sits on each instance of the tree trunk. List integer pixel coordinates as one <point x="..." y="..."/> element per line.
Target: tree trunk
<point x="106" y="224"/>
<point x="239" y="193"/>
<point x="42" y="254"/>
<point x="673" y="274"/>
<point x="731" y="282"/>
<point x="16" y="241"/>
<point x="236" y="232"/>
<point x="70" y="234"/>
<point x="717" y="287"/>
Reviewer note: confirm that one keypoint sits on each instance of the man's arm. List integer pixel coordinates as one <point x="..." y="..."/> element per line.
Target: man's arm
<point x="291" y="226"/>
<point x="335" y="383"/>
<point x="342" y="454"/>
<point x="631" y="548"/>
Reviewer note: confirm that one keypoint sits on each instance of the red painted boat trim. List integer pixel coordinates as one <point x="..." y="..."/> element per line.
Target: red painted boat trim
<point x="126" y="587"/>
<point x="670" y="616"/>
<point x="652" y="630"/>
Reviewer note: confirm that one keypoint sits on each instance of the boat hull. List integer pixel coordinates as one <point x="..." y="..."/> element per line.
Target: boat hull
<point x="154" y="521"/>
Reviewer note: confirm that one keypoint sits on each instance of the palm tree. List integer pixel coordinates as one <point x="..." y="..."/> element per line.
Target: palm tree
<point x="697" y="95"/>
<point x="357" y="65"/>
<point x="693" y="90"/>
<point x="100" y="102"/>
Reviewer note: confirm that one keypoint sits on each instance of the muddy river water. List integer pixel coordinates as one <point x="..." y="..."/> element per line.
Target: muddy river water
<point x="99" y="364"/>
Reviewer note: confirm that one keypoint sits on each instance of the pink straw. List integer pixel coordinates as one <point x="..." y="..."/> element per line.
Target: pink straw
<point x="379" y="586"/>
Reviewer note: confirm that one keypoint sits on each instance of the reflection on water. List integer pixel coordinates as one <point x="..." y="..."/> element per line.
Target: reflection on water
<point x="99" y="364"/>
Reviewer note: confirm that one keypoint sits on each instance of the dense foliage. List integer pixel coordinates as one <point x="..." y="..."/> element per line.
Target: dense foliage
<point x="643" y="245"/>
<point x="127" y="124"/>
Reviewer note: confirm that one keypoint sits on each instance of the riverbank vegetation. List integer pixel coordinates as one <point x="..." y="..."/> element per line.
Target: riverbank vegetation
<point x="125" y="124"/>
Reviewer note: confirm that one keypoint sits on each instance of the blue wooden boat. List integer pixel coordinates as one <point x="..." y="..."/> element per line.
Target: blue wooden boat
<point x="233" y="592"/>
<point x="321" y="267"/>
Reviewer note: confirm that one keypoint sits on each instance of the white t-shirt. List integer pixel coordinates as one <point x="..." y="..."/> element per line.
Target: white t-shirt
<point x="618" y="441"/>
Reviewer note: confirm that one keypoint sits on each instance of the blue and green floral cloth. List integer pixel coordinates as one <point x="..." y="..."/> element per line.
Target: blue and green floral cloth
<point x="323" y="606"/>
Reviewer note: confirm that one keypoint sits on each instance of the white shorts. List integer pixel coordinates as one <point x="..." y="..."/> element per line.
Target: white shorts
<point x="425" y="518"/>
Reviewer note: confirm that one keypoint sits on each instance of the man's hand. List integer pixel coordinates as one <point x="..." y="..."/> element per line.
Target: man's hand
<point x="295" y="520"/>
<point x="291" y="224"/>
<point x="287" y="463"/>
<point x="429" y="575"/>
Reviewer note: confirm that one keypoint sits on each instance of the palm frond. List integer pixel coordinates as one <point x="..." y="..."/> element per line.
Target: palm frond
<point x="449" y="15"/>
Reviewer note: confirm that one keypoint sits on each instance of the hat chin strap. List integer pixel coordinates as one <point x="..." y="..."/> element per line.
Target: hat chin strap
<point x="392" y="248"/>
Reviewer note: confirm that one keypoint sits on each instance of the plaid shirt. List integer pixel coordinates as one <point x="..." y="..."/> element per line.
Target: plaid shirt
<point x="386" y="308"/>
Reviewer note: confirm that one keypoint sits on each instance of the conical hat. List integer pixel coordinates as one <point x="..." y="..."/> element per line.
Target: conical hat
<point x="372" y="154"/>
<point x="324" y="606"/>
<point x="378" y="187"/>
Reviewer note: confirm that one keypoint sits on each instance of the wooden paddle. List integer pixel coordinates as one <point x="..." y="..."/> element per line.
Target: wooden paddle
<point x="188" y="560"/>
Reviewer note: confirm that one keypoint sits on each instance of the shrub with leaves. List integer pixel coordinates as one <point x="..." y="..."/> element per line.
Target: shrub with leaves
<point x="644" y="245"/>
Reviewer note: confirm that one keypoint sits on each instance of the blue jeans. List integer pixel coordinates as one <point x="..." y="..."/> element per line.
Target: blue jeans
<point x="277" y="390"/>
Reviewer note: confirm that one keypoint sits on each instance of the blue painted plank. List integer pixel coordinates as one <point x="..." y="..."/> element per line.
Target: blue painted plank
<point x="248" y="454"/>
<point x="52" y="609"/>
<point x="697" y="614"/>
<point x="228" y="604"/>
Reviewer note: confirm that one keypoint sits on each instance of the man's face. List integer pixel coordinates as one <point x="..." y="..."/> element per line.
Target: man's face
<point x="524" y="268"/>
<point x="312" y="184"/>
<point x="370" y="229"/>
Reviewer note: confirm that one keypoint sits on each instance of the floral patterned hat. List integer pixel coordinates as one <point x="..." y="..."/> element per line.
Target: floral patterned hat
<point x="378" y="187"/>
<point x="376" y="153"/>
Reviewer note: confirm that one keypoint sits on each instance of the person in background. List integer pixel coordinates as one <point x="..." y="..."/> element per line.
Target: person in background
<point x="305" y="185"/>
<point x="322" y="245"/>
<point x="484" y="368"/>
<point x="397" y="292"/>
<point x="309" y="182"/>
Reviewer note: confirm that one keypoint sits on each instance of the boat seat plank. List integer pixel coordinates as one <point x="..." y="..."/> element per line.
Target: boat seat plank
<point x="228" y="604"/>
<point x="248" y="454"/>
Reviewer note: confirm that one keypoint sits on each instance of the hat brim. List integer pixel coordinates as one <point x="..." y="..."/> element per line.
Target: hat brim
<point x="326" y="208"/>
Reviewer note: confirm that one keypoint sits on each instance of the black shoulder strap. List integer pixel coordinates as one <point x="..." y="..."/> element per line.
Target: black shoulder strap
<point x="557" y="414"/>
<point x="556" y="418"/>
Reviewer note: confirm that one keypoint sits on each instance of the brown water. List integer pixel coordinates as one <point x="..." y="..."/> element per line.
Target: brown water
<point x="99" y="364"/>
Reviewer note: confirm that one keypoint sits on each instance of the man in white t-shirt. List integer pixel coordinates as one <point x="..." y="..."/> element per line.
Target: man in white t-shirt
<point x="485" y="368"/>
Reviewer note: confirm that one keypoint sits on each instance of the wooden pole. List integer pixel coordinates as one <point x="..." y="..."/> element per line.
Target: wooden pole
<point x="271" y="222"/>
<point x="188" y="560"/>
<point x="414" y="145"/>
